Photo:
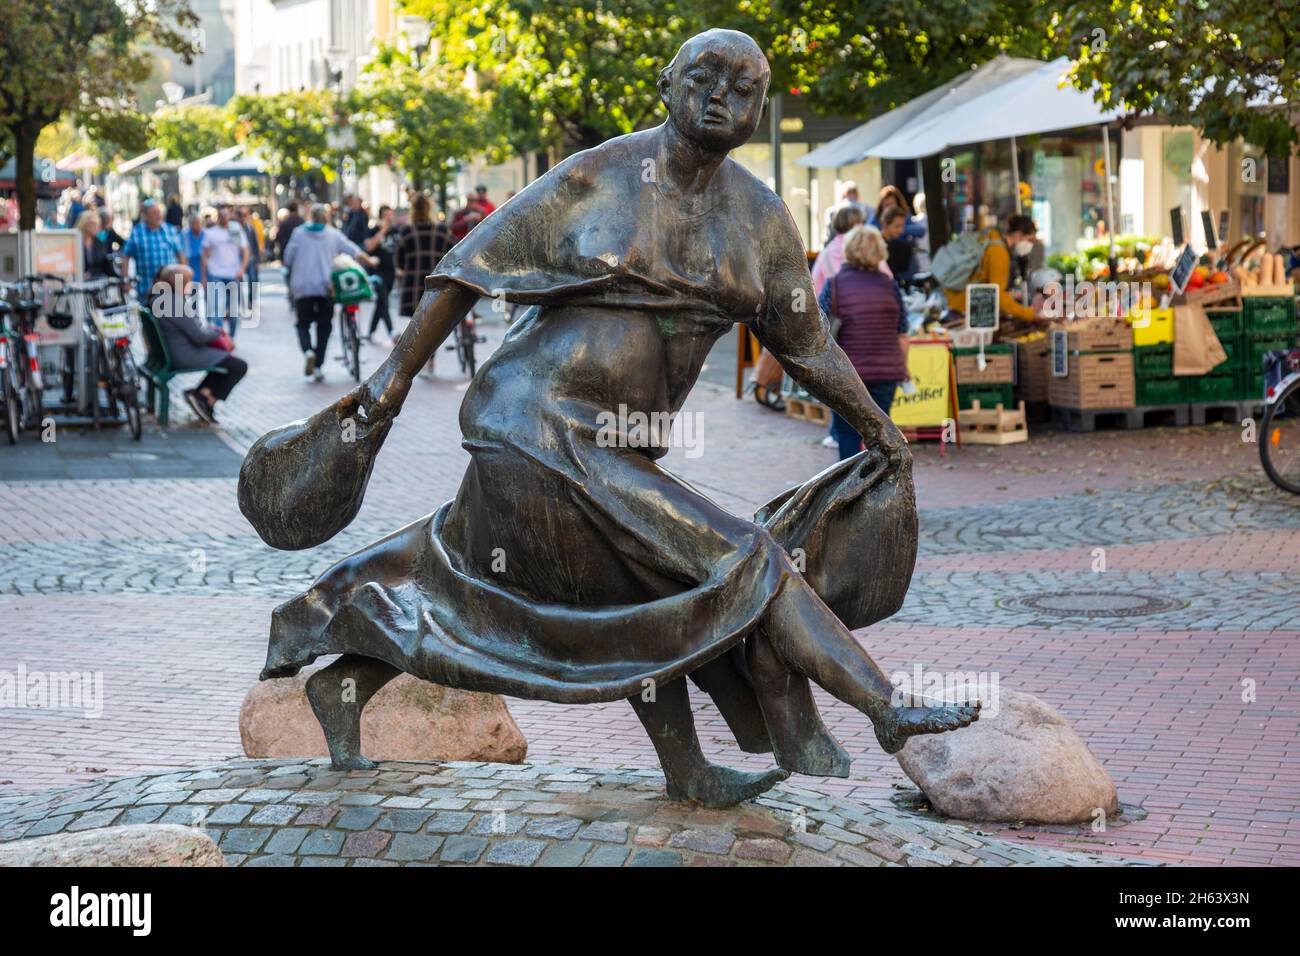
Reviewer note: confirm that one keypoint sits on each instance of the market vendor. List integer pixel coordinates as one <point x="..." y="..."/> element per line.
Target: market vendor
<point x="995" y="267"/>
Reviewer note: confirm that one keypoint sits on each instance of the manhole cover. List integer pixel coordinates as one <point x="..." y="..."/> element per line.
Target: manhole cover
<point x="1092" y="603"/>
<point x="133" y="455"/>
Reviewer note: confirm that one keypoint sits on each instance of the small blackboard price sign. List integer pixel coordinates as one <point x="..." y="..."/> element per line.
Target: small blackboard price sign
<point x="982" y="307"/>
<point x="1176" y="225"/>
<point x="1223" y="226"/>
<point x="1207" y="223"/>
<point x="1060" y="353"/>
<point x="1182" y="270"/>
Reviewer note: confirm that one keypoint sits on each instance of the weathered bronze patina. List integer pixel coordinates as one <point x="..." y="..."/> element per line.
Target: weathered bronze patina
<point x="570" y="567"/>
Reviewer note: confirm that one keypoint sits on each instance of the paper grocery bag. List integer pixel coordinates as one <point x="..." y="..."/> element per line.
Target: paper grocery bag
<point x="1196" y="347"/>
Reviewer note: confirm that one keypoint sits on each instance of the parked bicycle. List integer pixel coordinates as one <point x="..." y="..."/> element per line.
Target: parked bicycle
<point x="111" y="318"/>
<point x="1279" y="434"/>
<point x="24" y="393"/>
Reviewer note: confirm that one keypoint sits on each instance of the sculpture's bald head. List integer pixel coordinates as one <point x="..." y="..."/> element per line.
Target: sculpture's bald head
<point x="715" y="87"/>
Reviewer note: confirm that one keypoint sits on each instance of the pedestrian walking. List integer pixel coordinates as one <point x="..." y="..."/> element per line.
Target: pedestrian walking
<point x="193" y="246"/>
<point x="309" y="257"/>
<point x="151" y="245"/>
<point x="249" y="223"/>
<point x="379" y="244"/>
<point x="873" y="326"/>
<point x="225" y="262"/>
<point x="421" y="248"/>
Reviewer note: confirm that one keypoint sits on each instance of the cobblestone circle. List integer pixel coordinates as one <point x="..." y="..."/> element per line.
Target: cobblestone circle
<point x="302" y="813"/>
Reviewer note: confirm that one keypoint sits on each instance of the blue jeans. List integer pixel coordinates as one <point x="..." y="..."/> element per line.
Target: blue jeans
<point x="850" y="442"/>
<point x="223" y="303"/>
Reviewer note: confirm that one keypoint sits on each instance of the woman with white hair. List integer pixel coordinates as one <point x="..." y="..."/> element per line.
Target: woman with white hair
<point x="873" y="325"/>
<point x="96" y="258"/>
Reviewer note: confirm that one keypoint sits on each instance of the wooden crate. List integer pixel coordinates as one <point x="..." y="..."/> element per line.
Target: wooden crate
<point x="1095" y="380"/>
<point x="1098" y="336"/>
<point x="993" y="426"/>
<point x="1035" y="366"/>
<point x="1224" y="294"/>
<point x="999" y="368"/>
<point x="809" y="411"/>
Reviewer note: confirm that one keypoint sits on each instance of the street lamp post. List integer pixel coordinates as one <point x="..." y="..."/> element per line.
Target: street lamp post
<point x="335" y="62"/>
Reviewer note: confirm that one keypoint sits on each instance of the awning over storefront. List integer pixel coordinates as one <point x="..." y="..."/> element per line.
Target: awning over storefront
<point x="920" y="113"/>
<point x="192" y="172"/>
<point x="77" y="161"/>
<point x="138" y="163"/>
<point x="1039" y="101"/>
<point x="240" y="166"/>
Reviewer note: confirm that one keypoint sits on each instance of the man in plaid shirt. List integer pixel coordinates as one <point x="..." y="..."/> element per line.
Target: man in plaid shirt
<point x="153" y="244"/>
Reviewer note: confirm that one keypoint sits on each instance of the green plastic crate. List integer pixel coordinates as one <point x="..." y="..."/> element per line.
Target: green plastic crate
<point x="1161" y="391"/>
<point x="1255" y="347"/>
<point x="1002" y="348"/>
<point x="1265" y="314"/>
<point x="1227" y="323"/>
<point x="989" y="396"/>
<point x="1251" y="384"/>
<point x="1214" y="387"/>
<point x="1153" y="361"/>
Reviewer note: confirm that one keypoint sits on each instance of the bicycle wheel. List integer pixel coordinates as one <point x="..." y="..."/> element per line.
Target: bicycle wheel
<point x="354" y="348"/>
<point x="13" y="409"/>
<point x="1279" y="440"/>
<point x="465" y="349"/>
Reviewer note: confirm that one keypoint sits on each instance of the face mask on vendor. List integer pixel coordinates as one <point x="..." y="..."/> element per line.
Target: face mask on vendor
<point x="1023" y="248"/>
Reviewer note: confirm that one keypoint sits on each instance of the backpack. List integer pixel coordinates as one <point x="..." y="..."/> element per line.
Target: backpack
<point x="954" y="264"/>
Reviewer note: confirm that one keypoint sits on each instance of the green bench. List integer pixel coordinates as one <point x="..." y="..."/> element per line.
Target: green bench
<point x="158" y="370"/>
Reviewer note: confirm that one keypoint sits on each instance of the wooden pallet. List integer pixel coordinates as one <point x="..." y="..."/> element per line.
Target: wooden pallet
<point x="993" y="426"/>
<point x="809" y="411"/>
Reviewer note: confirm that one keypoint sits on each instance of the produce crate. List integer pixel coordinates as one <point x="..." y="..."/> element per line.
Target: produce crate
<point x="1097" y="336"/>
<point x="989" y="396"/>
<point x="1033" y="369"/>
<point x="1095" y="380"/>
<point x="999" y="369"/>
<point x="1152" y="326"/>
<point x="1161" y="391"/>
<point x="1153" y="361"/>
<point x="1269" y="314"/>
<point x="993" y="426"/>
<point x="1215" y="387"/>
<point x="1255" y="347"/>
<point x="1250" y="384"/>
<point x="1227" y="323"/>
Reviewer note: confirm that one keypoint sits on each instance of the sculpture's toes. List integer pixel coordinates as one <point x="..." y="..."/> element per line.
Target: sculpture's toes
<point x="721" y="787"/>
<point x="353" y="762"/>
<point x="899" y="723"/>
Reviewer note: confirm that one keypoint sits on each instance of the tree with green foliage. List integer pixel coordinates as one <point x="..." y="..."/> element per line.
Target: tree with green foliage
<point x="419" y="118"/>
<point x="1218" y="67"/>
<point x="565" y="75"/>
<point x="191" y="131"/>
<point x="60" y="57"/>
<point x="291" y="130"/>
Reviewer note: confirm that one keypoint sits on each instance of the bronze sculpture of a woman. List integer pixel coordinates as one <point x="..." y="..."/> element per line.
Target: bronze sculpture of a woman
<point x="570" y="567"/>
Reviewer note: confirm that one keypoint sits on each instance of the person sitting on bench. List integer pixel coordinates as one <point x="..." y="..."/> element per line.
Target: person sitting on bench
<point x="191" y="345"/>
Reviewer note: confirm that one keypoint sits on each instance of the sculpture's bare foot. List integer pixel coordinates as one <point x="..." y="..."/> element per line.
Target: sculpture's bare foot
<point x="338" y="694"/>
<point x="720" y="787"/>
<point x="896" y="724"/>
<point x="822" y="756"/>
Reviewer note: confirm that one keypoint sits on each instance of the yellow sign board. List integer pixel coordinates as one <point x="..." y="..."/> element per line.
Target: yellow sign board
<point x="931" y="403"/>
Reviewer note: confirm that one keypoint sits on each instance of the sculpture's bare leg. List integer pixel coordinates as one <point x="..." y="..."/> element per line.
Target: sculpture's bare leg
<point x="811" y="639"/>
<point x="338" y="694"/>
<point x="671" y="726"/>
<point x="800" y="741"/>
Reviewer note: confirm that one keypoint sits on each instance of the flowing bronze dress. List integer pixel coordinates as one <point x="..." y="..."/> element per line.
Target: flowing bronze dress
<point x="569" y="568"/>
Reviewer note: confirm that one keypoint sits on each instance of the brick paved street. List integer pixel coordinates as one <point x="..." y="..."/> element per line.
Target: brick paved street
<point x="1174" y="651"/>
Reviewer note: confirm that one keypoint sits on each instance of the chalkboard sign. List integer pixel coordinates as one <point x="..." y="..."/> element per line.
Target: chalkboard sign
<point x="1182" y="270"/>
<point x="1223" y="226"/>
<point x="1279" y="174"/>
<point x="1176" y="225"/>
<point x="982" y="307"/>
<point x="1060" y="353"/>
<point x="1207" y="223"/>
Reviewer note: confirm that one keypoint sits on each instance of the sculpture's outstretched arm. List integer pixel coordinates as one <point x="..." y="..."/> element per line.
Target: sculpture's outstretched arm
<point x="793" y="329"/>
<point x="438" y="313"/>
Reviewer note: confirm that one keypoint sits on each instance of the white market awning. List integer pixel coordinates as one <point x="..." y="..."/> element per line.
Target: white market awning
<point x="139" y="162"/>
<point x="1039" y="101"/>
<point x="193" y="172"/>
<point x="920" y="113"/>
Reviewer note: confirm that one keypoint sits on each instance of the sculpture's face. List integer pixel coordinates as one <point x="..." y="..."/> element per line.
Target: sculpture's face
<point x="715" y="87"/>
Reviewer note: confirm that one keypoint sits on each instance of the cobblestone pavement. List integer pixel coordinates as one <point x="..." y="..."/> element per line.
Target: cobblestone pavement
<point x="1143" y="583"/>
<point x="288" y="813"/>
